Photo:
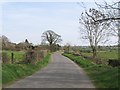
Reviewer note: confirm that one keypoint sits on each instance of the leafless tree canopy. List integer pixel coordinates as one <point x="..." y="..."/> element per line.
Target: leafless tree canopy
<point x="93" y="31"/>
<point x="113" y="12"/>
<point x="51" y="37"/>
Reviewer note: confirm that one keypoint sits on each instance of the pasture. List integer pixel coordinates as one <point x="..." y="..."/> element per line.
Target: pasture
<point x="103" y="55"/>
<point x="18" y="55"/>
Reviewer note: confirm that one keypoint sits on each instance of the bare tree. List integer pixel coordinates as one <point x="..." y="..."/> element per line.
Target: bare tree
<point x="94" y="31"/>
<point x="113" y="11"/>
<point x="51" y="37"/>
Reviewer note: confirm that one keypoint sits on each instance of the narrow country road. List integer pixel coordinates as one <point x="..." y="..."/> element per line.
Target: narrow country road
<point x="60" y="73"/>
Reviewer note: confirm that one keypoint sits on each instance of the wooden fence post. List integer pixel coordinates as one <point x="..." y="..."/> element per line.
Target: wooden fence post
<point x="12" y="57"/>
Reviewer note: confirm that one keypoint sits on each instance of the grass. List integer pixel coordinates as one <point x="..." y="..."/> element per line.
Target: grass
<point x="102" y="76"/>
<point x="0" y="76"/>
<point x="12" y="72"/>
<point x="18" y="55"/>
<point x="104" y="55"/>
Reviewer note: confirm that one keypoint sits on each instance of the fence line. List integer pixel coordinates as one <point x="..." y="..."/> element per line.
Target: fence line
<point x="28" y="57"/>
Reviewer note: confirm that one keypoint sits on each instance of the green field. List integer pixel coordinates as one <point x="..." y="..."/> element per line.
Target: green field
<point x="104" y="55"/>
<point x="18" y="55"/>
<point x="102" y="76"/>
<point x="12" y="72"/>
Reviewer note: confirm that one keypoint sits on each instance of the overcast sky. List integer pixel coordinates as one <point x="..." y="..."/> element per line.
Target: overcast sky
<point x="28" y="20"/>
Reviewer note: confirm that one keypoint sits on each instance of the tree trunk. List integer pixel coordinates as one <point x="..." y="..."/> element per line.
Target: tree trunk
<point x="97" y="61"/>
<point x="118" y="28"/>
<point x="94" y="52"/>
<point x="50" y="48"/>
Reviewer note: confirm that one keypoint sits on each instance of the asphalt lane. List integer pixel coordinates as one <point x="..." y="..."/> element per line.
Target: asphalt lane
<point x="61" y="72"/>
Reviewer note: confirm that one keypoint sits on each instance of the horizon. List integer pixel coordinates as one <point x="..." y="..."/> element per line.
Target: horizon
<point x="61" y="45"/>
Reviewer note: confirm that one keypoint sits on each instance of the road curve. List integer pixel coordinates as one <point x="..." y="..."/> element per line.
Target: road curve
<point x="60" y="73"/>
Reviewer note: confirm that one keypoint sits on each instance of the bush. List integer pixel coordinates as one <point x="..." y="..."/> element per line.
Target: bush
<point x="31" y="57"/>
<point x="5" y="59"/>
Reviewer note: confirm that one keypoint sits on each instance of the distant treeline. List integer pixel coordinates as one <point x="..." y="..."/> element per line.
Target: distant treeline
<point x="22" y="46"/>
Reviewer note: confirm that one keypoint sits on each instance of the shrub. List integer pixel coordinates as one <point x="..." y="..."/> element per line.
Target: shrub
<point x="30" y="57"/>
<point x="5" y="59"/>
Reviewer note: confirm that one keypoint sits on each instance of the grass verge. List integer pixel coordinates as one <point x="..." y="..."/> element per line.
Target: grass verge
<point x="12" y="72"/>
<point x="102" y="76"/>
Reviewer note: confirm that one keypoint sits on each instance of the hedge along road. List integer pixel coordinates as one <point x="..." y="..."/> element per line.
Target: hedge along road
<point x="60" y="73"/>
